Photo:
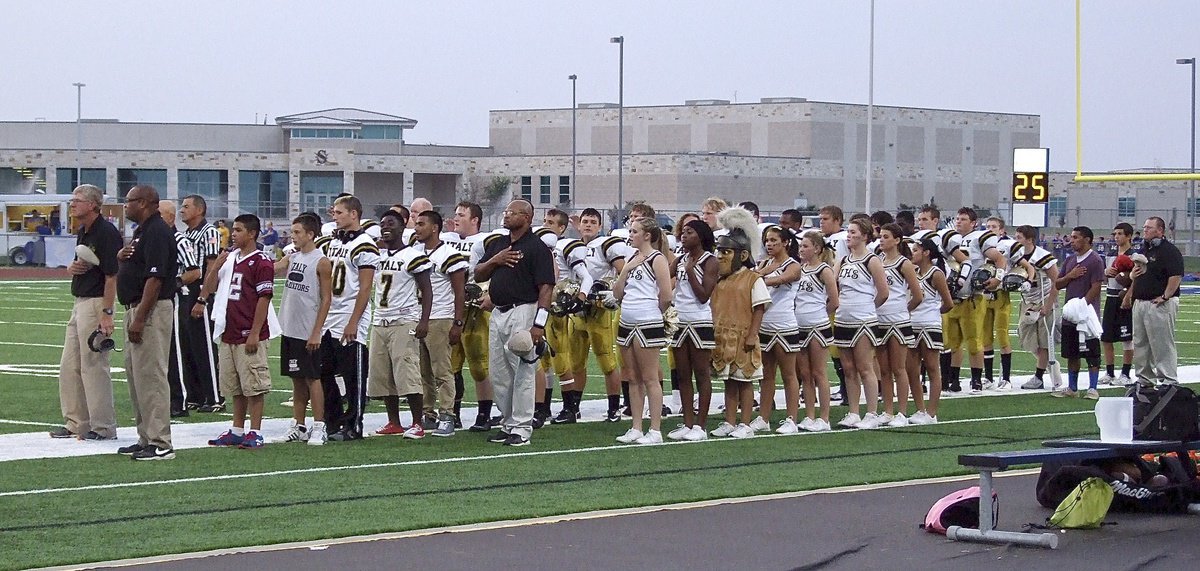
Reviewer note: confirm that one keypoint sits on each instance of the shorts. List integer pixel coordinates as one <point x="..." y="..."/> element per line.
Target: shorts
<point x="927" y="336"/>
<point x="961" y="325"/>
<point x="1033" y="330"/>
<point x="699" y="333"/>
<point x="1071" y="346"/>
<point x="1116" y="323"/>
<point x="822" y="335"/>
<point x="472" y="348"/>
<point x="649" y="334"/>
<point x="789" y="339"/>
<point x="901" y="331"/>
<point x="996" y="321"/>
<point x="243" y="374"/>
<point x="594" y="330"/>
<point x="395" y="362"/>
<point x="848" y="335"/>
<point x="296" y="361"/>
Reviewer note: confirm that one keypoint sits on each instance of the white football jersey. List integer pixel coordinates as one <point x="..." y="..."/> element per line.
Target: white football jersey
<point x="396" y="284"/>
<point x="602" y="251"/>
<point x="369" y="226"/>
<point x="446" y="260"/>
<point x="570" y="255"/>
<point x="1041" y="260"/>
<point x="348" y="258"/>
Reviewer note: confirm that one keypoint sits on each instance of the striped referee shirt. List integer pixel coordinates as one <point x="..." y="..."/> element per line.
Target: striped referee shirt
<point x="186" y="257"/>
<point x="207" y="242"/>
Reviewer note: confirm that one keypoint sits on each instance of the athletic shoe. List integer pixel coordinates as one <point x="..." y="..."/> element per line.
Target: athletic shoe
<point x="218" y="407"/>
<point x="457" y="422"/>
<point x="626" y="411"/>
<point x="317" y="436"/>
<point x="62" y="432"/>
<point x="481" y="424"/>
<point x="849" y="420"/>
<point x="666" y="410"/>
<point x="820" y="425"/>
<point x="345" y="435"/>
<point x="724" y="429"/>
<point x="885" y="419"/>
<point x="1092" y="394"/>
<point x="498" y="438"/>
<point x="1061" y="393"/>
<point x="760" y="425"/>
<point x="496" y="421"/>
<point x="251" y="441"/>
<point x="787" y="426"/>
<point x="295" y="433"/>
<point x="612" y="416"/>
<point x="181" y="413"/>
<point x="1107" y="379"/>
<point x="870" y="421"/>
<point x="988" y="384"/>
<point x="1124" y="381"/>
<point x="630" y="436"/>
<point x="898" y="421"/>
<point x="129" y="450"/>
<point x="429" y="422"/>
<point x="1004" y="385"/>
<point x="679" y="432"/>
<point x="227" y="438"/>
<point x="516" y="440"/>
<point x="742" y="431"/>
<point x="389" y="429"/>
<point x="538" y="421"/>
<point x="806" y="424"/>
<point x="1033" y="383"/>
<point x="697" y="434"/>
<point x="192" y="406"/>
<point x="955" y="387"/>
<point x="921" y="418"/>
<point x="288" y="403"/>
<point x="565" y="417"/>
<point x="445" y="427"/>
<point x="93" y="436"/>
<point x="651" y="437"/>
<point x="415" y="432"/>
<point x="976" y="388"/>
<point x="154" y="453"/>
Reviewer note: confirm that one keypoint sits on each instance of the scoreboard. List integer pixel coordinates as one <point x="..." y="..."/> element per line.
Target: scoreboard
<point x="1030" y="186"/>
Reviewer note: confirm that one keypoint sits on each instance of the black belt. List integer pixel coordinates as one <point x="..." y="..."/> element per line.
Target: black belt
<point x="505" y="308"/>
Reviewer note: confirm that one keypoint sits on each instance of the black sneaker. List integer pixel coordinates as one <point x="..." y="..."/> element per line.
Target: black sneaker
<point x="457" y="423"/>
<point x="499" y="438"/>
<point x="537" y="422"/>
<point x="564" y="417"/>
<point x="627" y="411"/>
<point x="613" y="415"/>
<point x="154" y="453"/>
<point x="481" y="424"/>
<point x="429" y="422"/>
<point x="955" y="387"/>
<point x="62" y="432"/>
<point x="516" y="440"/>
<point x="93" y="436"/>
<point x="192" y="406"/>
<point x="666" y="410"/>
<point x="182" y="413"/>
<point x="218" y="407"/>
<point x="131" y="449"/>
<point x="496" y="421"/>
<point x="345" y="435"/>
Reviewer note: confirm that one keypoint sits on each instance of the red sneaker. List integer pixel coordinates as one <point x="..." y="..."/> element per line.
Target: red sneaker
<point x="390" y="428"/>
<point x="415" y="432"/>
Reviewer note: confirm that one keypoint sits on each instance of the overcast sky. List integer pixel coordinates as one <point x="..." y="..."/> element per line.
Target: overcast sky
<point x="447" y="63"/>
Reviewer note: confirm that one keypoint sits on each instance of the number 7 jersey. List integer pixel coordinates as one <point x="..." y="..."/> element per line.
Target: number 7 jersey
<point x="348" y="258"/>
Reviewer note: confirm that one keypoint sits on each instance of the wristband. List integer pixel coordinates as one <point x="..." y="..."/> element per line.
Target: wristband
<point x="539" y="319"/>
<point x="201" y="301"/>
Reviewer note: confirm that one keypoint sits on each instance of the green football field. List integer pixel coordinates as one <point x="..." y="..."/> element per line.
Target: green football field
<point x="93" y="508"/>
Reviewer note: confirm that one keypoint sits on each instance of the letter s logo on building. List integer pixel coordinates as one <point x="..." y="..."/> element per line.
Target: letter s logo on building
<point x="322" y="157"/>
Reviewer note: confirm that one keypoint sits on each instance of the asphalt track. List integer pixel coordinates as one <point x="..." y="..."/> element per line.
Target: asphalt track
<point x="853" y="530"/>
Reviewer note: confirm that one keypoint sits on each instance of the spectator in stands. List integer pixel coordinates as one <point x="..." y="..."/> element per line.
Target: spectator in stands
<point x="1154" y="296"/>
<point x="270" y="241"/>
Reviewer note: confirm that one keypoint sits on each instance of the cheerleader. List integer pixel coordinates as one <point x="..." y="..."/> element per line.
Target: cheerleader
<point x="778" y="335"/>
<point x="927" y="326"/>
<point x="904" y="294"/>
<point x="644" y="290"/>
<point x="695" y="278"/>
<point x="816" y="300"/>
<point x="679" y="248"/>
<point x="862" y="287"/>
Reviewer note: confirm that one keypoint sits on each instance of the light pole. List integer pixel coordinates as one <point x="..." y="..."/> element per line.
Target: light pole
<point x="870" y="106"/>
<point x="620" y="41"/>
<point x="574" y="108"/>
<point x="1192" y="183"/>
<point x="78" y="132"/>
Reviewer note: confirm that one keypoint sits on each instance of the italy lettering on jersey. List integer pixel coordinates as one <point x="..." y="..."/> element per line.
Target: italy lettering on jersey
<point x="347" y="259"/>
<point x="396" y="286"/>
<point x="838" y="243"/>
<point x="602" y="251"/>
<point x="570" y="255"/>
<point x="465" y="245"/>
<point x="446" y="260"/>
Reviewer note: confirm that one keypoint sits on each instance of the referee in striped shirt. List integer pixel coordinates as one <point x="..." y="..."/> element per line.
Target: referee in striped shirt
<point x="195" y="340"/>
<point x="189" y="272"/>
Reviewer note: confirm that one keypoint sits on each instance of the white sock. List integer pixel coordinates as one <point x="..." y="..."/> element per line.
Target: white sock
<point x="237" y="431"/>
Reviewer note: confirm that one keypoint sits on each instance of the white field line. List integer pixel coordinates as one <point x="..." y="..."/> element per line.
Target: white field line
<point x="460" y="459"/>
<point x="28" y="423"/>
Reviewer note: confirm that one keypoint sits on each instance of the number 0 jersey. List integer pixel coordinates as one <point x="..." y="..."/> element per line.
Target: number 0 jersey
<point x="348" y="258"/>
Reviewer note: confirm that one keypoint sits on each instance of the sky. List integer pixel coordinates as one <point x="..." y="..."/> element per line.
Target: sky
<point x="447" y="63"/>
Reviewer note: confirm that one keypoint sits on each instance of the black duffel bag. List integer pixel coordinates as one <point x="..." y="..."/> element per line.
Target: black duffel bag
<point x="1165" y="412"/>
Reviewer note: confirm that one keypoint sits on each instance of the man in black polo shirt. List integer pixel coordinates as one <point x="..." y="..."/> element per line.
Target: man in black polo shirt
<point x="1155" y="300"/>
<point x="84" y="380"/>
<point x="521" y="271"/>
<point x="146" y="287"/>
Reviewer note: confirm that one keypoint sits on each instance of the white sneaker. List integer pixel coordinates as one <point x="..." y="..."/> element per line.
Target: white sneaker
<point x="1124" y="381"/>
<point x="920" y="418"/>
<point x="885" y="419"/>
<point x="697" y="434"/>
<point x="1004" y="385"/>
<point x="317" y="435"/>
<point x="295" y="433"/>
<point x="679" y="433"/>
<point x="651" y="437"/>
<point x="819" y="425"/>
<point x="988" y="384"/>
<point x="724" y="429"/>
<point x="1107" y="379"/>
<point x="630" y="436"/>
<point x="849" y="420"/>
<point x="806" y="424"/>
<point x="288" y="403"/>
<point x="1033" y="383"/>
<point x="898" y="421"/>
<point x="870" y="421"/>
<point x="787" y="426"/>
<point x="760" y="425"/>
<point x="742" y="431"/>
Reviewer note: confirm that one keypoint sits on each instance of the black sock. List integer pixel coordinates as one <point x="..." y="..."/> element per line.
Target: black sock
<point x="1109" y="369"/>
<point x="976" y="377"/>
<point x="614" y="402"/>
<point x="1040" y="373"/>
<point x="459" y="389"/>
<point x="989" y="362"/>
<point x="1125" y="369"/>
<point x="674" y="379"/>
<point x="625" y="392"/>
<point x="954" y="372"/>
<point x="485" y="408"/>
<point x="549" y="397"/>
<point x="841" y="373"/>
<point x="573" y="399"/>
<point x="944" y="362"/>
<point x="1006" y="366"/>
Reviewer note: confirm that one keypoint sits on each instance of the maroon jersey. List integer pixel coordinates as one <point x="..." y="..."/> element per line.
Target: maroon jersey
<point x="253" y="278"/>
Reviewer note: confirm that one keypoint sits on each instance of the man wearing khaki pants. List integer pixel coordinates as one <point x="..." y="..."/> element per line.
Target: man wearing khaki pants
<point x="1154" y="296"/>
<point x="447" y="281"/>
<point x="84" y="380"/>
<point x="146" y="287"/>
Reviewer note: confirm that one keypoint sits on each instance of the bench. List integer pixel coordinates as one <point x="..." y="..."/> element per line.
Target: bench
<point x="1055" y="451"/>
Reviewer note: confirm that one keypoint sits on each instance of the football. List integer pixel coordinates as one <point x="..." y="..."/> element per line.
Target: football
<point x="1123" y="263"/>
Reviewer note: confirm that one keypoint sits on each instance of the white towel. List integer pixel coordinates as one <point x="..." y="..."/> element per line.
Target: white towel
<point x="1083" y="315"/>
<point x="222" y="300"/>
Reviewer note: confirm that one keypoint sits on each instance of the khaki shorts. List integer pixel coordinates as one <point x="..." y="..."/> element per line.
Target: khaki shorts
<point x="395" y="365"/>
<point x="242" y="374"/>
<point x="1033" y="329"/>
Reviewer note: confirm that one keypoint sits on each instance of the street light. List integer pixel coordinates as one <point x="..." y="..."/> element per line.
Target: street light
<point x="574" y="108"/>
<point x="78" y="132"/>
<point x="1192" y="183"/>
<point x="620" y="41"/>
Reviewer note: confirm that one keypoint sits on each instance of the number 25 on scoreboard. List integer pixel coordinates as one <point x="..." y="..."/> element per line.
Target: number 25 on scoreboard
<point x="1029" y="187"/>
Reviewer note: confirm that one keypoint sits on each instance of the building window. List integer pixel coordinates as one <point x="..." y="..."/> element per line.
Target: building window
<point x="391" y="132"/>
<point x="564" y="190"/>
<point x="1192" y="205"/>
<point x="544" y="190"/>
<point x="263" y="193"/>
<point x="22" y="180"/>
<point x="322" y="133"/>
<point x="318" y="189"/>
<point x="1126" y="207"/>
<point x="129" y="178"/>
<point x="213" y="185"/>
<point x="1057" y="207"/>
<point x="527" y="188"/>
<point x="67" y="179"/>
